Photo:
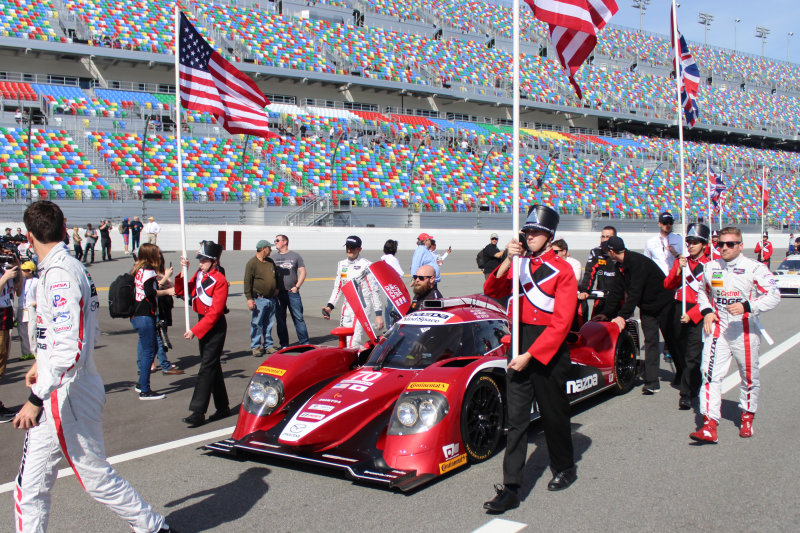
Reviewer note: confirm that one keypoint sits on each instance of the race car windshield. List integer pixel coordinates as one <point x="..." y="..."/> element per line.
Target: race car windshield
<point x="793" y="264"/>
<point x="414" y="346"/>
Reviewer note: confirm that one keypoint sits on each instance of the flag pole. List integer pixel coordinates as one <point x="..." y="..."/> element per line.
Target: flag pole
<point x="763" y="195"/>
<point x="184" y="271"/>
<point x="515" y="203"/>
<point x="678" y="81"/>
<point x="708" y="195"/>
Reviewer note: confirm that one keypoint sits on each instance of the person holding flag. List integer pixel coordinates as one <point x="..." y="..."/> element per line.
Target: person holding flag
<point x="688" y="327"/>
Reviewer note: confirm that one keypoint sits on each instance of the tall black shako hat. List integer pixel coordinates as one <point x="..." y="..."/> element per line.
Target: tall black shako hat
<point x="542" y="217"/>
<point x="698" y="231"/>
<point x="209" y="250"/>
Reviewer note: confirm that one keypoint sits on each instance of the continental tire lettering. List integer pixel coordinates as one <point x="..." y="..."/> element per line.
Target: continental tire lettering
<point x="441" y="387"/>
<point x="453" y="463"/>
<point x="578" y="385"/>
<point x="270" y="370"/>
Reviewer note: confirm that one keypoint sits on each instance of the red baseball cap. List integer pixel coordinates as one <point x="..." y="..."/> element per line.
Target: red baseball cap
<point x="424" y="237"/>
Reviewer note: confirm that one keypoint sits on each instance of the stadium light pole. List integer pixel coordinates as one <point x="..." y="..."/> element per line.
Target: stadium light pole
<point x="641" y="5"/>
<point x="789" y="44"/>
<point x="480" y="184"/>
<point x="735" y="25"/>
<point x="761" y="33"/>
<point x="705" y="19"/>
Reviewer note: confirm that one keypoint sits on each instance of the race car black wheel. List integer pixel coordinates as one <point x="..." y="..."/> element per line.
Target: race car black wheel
<point x="624" y="363"/>
<point x="482" y="418"/>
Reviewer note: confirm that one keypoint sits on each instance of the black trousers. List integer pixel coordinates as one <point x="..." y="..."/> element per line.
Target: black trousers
<point x="547" y="386"/>
<point x="105" y="249"/>
<point x="209" y="377"/>
<point x="651" y="324"/>
<point x="689" y="349"/>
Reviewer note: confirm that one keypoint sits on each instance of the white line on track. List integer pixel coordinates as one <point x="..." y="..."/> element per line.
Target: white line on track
<point x="144" y="452"/>
<point x="500" y="525"/>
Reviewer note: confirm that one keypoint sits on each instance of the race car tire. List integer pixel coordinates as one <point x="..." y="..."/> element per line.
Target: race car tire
<point x="624" y="363"/>
<point x="482" y="418"/>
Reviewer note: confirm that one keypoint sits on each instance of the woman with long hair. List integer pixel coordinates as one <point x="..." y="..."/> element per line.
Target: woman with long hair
<point x="146" y="293"/>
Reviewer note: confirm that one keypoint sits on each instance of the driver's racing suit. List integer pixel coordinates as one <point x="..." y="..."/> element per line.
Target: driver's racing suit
<point x="72" y="394"/>
<point x="346" y="271"/>
<point x="750" y="283"/>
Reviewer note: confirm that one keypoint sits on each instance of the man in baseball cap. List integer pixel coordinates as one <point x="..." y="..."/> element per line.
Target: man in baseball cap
<point x="261" y="285"/>
<point x="424" y="256"/>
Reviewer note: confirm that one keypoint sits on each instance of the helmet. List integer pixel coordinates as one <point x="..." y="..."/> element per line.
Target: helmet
<point x="542" y="217"/>
<point x="698" y="231"/>
<point x="209" y="250"/>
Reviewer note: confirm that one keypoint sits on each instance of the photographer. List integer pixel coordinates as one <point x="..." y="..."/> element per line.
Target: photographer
<point x="105" y="240"/>
<point x="10" y="282"/>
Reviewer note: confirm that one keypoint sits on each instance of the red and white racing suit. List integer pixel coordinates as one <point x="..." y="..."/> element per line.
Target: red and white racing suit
<point x="73" y="396"/>
<point x="750" y="283"/>
<point x="346" y="271"/>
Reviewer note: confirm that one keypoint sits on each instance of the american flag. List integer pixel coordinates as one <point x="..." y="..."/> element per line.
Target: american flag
<point x="689" y="75"/>
<point x="573" y="29"/>
<point x="210" y="83"/>
<point x="717" y="187"/>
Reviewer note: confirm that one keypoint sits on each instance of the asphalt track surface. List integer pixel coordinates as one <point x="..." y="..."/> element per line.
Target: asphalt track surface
<point x="637" y="468"/>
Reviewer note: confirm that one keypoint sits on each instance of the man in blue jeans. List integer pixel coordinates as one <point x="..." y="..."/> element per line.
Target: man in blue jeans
<point x="261" y="285"/>
<point x="293" y="271"/>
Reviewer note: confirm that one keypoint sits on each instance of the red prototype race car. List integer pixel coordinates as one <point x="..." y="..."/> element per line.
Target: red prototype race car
<point x="422" y="400"/>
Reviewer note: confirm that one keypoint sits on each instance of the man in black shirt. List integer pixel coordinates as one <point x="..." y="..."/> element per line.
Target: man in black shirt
<point x="424" y="282"/>
<point x="642" y="286"/>
<point x="105" y="240"/>
<point x="492" y="256"/>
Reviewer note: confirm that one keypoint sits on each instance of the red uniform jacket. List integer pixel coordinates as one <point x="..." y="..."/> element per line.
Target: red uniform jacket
<point x="210" y="296"/>
<point x="765" y="250"/>
<point x="694" y="283"/>
<point x="549" y="297"/>
<point x="711" y="251"/>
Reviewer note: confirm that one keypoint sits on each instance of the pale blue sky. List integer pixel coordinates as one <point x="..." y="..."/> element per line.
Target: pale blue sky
<point x="780" y="16"/>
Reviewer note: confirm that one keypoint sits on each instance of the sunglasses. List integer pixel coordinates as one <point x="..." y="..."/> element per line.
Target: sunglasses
<point x="729" y="244"/>
<point x="423" y="278"/>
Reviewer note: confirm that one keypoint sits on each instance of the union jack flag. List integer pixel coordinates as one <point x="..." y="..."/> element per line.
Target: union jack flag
<point x="689" y="75"/>
<point x="716" y="187"/>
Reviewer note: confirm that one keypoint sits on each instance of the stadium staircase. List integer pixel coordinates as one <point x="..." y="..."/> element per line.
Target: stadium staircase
<point x="321" y="211"/>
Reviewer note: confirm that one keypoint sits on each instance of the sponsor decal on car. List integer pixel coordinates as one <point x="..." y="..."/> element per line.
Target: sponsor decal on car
<point x="453" y="463"/>
<point x="359" y="382"/>
<point x="320" y="407"/>
<point x="578" y="385"/>
<point x="426" y="318"/>
<point x="312" y="416"/>
<point x="429" y="385"/>
<point x="450" y="451"/>
<point x="270" y="370"/>
<point x="59" y="285"/>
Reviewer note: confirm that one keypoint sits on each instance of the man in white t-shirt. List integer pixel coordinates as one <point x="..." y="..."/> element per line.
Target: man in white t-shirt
<point x="665" y="247"/>
<point x="152" y="229"/>
<point x="26" y="309"/>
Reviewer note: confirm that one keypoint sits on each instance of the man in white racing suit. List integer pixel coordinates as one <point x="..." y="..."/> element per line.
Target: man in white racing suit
<point x="355" y="268"/>
<point x="63" y="414"/>
<point x="736" y="291"/>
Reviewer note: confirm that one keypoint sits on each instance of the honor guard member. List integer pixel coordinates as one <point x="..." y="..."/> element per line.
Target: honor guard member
<point x="548" y="300"/>
<point x="688" y="328"/>
<point x="209" y="295"/>
<point x="712" y="249"/>
<point x="763" y="249"/>
<point x="735" y="291"/>
<point x="355" y="268"/>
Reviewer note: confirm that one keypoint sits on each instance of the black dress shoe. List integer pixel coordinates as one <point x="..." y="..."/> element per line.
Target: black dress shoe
<point x="220" y="414"/>
<point x="684" y="404"/>
<point x="195" y="419"/>
<point x="563" y="479"/>
<point x="504" y="500"/>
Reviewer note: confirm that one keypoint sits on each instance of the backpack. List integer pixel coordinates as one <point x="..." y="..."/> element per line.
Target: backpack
<point x="121" y="299"/>
<point x="480" y="259"/>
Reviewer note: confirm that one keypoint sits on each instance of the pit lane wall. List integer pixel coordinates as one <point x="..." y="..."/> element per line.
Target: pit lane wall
<point x="323" y="238"/>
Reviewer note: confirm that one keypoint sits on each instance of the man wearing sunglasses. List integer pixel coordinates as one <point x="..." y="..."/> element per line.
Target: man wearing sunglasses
<point x="665" y="247"/>
<point x="424" y="285"/>
<point x="548" y="300"/>
<point x="735" y="290"/>
<point x="688" y="328"/>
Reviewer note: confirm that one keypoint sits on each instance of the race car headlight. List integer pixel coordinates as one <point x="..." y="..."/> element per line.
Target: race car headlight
<point x="417" y="411"/>
<point x="263" y="395"/>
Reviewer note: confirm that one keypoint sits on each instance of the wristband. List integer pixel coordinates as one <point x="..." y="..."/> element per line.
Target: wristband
<point x="35" y="400"/>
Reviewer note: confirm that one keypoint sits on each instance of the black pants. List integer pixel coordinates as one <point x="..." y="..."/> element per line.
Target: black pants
<point x="209" y="377"/>
<point x="134" y="241"/>
<point x="547" y="386"/>
<point x="78" y="251"/>
<point x="105" y="249"/>
<point x="651" y="324"/>
<point x="688" y="340"/>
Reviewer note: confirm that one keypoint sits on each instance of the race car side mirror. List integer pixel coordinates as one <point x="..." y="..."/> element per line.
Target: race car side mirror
<point x="343" y="332"/>
<point x="506" y="342"/>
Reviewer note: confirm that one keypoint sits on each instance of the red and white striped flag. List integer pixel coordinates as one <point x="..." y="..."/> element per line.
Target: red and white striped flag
<point x="573" y="29"/>
<point x="210" y="83"/>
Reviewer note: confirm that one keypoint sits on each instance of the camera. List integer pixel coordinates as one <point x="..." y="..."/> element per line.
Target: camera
<point x="9" y="253"/>
<point x="161" y="328"/>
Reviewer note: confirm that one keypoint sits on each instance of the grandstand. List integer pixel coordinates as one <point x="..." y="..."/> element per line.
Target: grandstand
<point x="401" y="105"/>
